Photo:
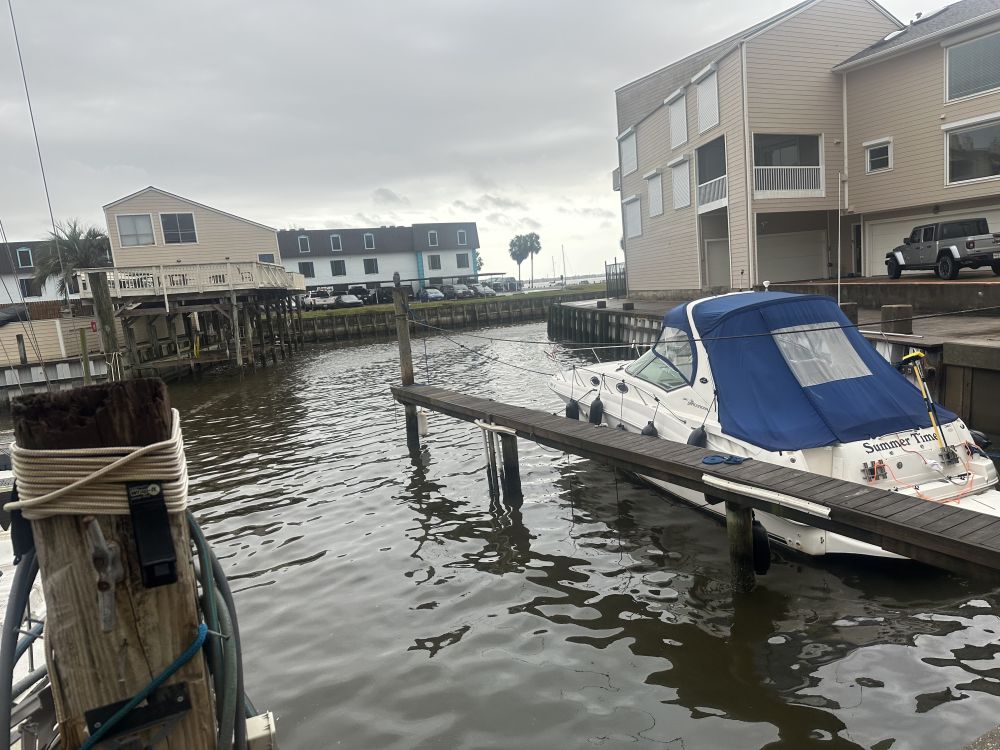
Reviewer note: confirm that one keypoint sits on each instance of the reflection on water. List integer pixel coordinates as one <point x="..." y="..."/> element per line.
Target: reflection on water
<point x="387" y="604"/>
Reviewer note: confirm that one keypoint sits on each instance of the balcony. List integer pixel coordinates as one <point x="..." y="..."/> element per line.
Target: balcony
<point x="160" y="281"/>
<point x="788" y="182"/>
<point x="787" y="166"/>
<point x="712" y="194"/>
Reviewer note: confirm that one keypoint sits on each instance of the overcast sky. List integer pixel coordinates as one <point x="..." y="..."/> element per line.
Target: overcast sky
<point x="344" y="114"/>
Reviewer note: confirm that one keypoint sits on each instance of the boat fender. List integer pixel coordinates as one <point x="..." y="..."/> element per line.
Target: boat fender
<point x="573" y="409"/>
<point x="761" y="549"/>
<point x="698" y="437"/>
<point x="596" y="411"/>
<point x="650" y="430"/>
<point x="981" y="440"/>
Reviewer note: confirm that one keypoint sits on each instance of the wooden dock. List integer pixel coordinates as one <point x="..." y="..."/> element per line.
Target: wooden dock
<point x="934" y="533"/>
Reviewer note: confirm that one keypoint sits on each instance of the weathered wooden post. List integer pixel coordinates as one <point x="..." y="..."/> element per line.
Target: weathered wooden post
<point x="234" y="316"/>
<point x="405" y="362"/>
<point x="85" y="356"/>
<point x="104" y="641"/>
<point x="739" y="530"/>
<point x="104" y="311"/>
<point x="897" y="319"/>
<point x="510" y="479"/>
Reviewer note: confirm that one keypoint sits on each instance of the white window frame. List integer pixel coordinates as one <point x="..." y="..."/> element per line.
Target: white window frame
<point x="627" y="144"/>
<point x="654" y="178"/>
<point x="947" y="75"/>
<point x="340" y="244"/>
<point x="708" y="82"/>
<point x="31" y="259"/>
<point x="372" y="245"/>
<point x="338" y="260"/>
<point x="311" y="263"/>
<point x="674" y="168"/>
<point x="960" y="125"/>
<point x="432" y="238"/>
<point x="364" y="265"/>
<point x="430" y="265"/>
<point x="152" y="230"/>
<point x="626" y="206"/>
<point x="677" y="116"/>
<point x="463" y="238"/>
<point x="194" y="223"/>
<point x="877" y="143"/>
<point x="299" y="241"/>
<point x="261" y="256"/>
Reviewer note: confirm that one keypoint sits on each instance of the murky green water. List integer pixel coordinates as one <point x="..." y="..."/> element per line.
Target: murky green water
<point x="384" y="604"/>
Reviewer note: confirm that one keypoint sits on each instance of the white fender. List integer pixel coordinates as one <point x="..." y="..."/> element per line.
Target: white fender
<point x="899" y="258"/>
<point x="954" y="252"/>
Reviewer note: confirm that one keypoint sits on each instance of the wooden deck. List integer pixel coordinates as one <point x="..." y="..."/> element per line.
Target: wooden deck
<point x="935" y="533"/>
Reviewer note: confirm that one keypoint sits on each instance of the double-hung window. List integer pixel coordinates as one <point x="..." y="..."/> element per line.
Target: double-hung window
<point x="680" y="183"/>
<point x="654" y="189"/>
<point x="434" y="262"/>
<point x="178" y="228"/>
<point x="24" y="259"/>
<point x="633" y="216"/>
<point x="462" y="260"/>
<point x="135" y="230"/>
<point x="335" y="243"/>
<point x="338" y="267"/>
<point x="303" y="243"/>
<point x="878" y="155"/>
<point x="627" y="155"/>
<point x="306" y="269"/>
<point x="973" y="67"/>
<point x="974" y="152"/>
<point x="463" y="238"/>
<point x="369" y="241"/>
<point x="432" y="239"/>
<point x="371" y="265"/>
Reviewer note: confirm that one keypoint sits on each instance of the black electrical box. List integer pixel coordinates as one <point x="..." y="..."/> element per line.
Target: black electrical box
<point x="154" y="544"/>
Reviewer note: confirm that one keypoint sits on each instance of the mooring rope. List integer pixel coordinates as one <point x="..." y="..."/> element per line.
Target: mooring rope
<point x="91" y="481"/>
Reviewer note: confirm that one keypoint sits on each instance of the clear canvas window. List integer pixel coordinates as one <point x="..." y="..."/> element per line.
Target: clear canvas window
<point x="654" y="370"/>
<point x="818" y="353"/>
<point x="674" y="346"/>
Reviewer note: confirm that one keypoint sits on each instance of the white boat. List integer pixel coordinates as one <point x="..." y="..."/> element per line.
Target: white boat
<point x="785" y="378"/>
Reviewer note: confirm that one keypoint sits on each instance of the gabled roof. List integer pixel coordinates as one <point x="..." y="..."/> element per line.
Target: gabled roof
<point x="646" y="94"/>
<point x="927" y="29"/>
<point x="185" y="200"/>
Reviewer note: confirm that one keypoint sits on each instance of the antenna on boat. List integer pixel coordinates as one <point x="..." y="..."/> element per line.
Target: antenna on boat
<point x="38" y="150"/>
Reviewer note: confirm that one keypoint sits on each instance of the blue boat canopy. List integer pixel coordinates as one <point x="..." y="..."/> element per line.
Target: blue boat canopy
<point x="791" y="371"/>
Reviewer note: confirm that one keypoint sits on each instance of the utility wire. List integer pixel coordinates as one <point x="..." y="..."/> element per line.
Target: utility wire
<point x="32" y="336"/>
<point x="619" y="345"/>
<point x="38" y="148"/>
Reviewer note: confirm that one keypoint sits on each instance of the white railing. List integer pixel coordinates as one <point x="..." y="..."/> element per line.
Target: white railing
<point x="793" y="180"/>
<point x="712" y="191"/>
<point x="142" y="281"/>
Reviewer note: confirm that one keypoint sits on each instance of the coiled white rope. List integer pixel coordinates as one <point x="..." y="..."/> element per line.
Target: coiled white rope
<point x="91" y="481"/>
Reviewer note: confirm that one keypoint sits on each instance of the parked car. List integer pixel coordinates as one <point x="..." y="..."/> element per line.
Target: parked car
<point x="348" y="300"/>
<point x="945" y="248"/>
<point x="481" y="290"/>
<point x="456" y="291"/>
<point x="380" y="296"/>
<point x="360" y="292"/>
<point x="430" y="294"/>
<point x="319" y="299"/>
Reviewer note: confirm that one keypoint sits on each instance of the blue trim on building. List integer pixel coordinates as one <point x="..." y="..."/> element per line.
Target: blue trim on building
<point x="420" y="268"/>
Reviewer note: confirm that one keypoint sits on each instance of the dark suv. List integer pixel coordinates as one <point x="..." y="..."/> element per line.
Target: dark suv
<point x="456" y="291"/>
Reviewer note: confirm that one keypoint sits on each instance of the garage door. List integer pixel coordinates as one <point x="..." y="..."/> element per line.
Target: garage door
<point x="882" y="236"/>
<point x="791" y="257"/>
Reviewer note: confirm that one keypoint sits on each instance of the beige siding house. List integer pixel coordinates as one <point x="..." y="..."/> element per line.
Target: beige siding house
<point x="750" y="190"/>
<point x="153" y="227"/>
<point x="923" y="119"/>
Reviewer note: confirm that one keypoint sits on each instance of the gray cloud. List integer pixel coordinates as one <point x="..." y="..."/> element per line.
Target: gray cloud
<point x="297" y="113"/>
<point x="386" y="197"/>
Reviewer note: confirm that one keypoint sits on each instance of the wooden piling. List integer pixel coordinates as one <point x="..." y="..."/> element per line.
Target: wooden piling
<point x="739" y="530"/>
<point x="85" y="356"/>
<point x="510" y="479"/>
<point x="89" y="667"/>
<point x="405" y="362"/>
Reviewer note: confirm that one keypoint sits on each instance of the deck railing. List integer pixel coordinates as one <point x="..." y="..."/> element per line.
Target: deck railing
<point x="712" y="191"/>
<point x="139" y="281"/>
<point x="793" y="180"/>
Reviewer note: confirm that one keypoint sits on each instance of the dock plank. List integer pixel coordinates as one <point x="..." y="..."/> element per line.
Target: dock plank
<point x="938" y="533"/>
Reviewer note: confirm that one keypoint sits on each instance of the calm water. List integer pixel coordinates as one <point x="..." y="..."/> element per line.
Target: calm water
<point x="384" y="605"/>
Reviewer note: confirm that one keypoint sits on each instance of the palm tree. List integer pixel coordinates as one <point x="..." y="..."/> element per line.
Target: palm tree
<point x="70" y="248"/>
<point x="524" y="246"/>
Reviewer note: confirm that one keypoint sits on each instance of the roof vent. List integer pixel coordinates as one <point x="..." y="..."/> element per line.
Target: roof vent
<point x="921" y="17"/>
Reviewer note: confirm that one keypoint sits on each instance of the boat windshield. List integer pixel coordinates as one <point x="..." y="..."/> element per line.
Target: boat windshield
<point x="654" y="370"/>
